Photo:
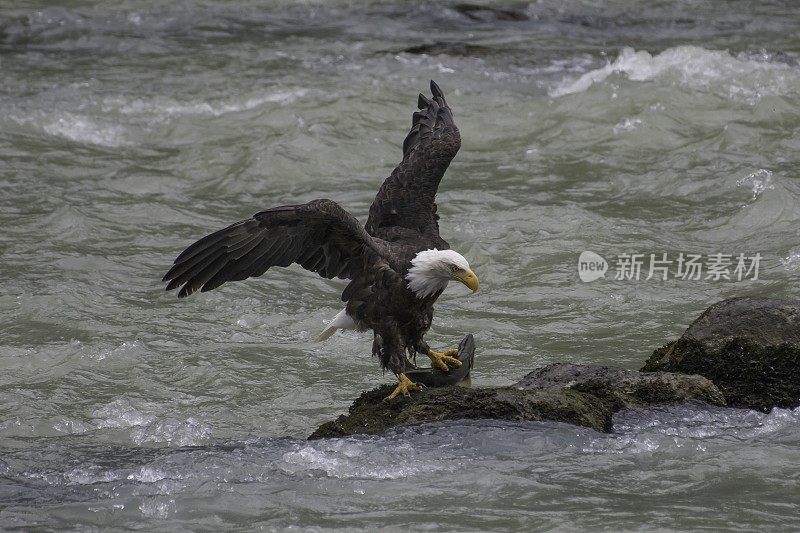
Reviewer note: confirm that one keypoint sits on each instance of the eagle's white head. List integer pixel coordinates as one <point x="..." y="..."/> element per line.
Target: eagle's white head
<point x="431" y="270"/>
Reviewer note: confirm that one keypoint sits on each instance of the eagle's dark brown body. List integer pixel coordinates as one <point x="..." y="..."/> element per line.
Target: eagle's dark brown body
<point x="324" y="238"/>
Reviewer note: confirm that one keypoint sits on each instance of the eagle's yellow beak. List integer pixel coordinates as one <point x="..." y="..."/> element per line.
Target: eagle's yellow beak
<point x="468" y="278"/>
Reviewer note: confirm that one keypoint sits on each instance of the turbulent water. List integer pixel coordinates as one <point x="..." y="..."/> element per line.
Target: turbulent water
<point x="130" y="129"/>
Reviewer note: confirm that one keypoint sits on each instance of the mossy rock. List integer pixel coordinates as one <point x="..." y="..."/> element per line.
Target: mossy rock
<point x="749" y="348"/>
<point x="584" y="395"/>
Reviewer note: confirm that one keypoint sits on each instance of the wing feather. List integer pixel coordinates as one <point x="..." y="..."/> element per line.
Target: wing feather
<point x="210" y="240"/>
<point x="231" y="273"/>
<point x="319" y="235"/>
<point x="407" y="198"/>
<point x="198" y="266"/>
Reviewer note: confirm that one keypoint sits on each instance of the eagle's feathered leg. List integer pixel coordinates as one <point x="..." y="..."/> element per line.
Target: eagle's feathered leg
<point x="389" y="349"/>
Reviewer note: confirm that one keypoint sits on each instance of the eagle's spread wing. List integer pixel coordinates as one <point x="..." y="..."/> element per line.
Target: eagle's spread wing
<point x="407" y="197"/>
<point x="319" y="235"/>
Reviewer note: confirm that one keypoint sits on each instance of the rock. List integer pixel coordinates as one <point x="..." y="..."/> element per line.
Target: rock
<point x="749" y="348"/>
<point x="585" y="395"/>
<point x="743" y="352"/>
<point x="623" y="389"/>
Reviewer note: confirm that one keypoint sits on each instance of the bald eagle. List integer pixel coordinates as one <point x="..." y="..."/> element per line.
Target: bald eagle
<point x="397" y="263"/>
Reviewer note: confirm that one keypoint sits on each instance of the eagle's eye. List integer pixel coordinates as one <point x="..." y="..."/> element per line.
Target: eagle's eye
<point x="454" y="268"/>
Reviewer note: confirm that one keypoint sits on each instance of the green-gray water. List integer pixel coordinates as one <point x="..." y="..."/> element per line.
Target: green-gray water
<point x="130" y="129"/>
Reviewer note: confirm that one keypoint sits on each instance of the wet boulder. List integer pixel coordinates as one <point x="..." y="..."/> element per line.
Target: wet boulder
<point x="618" y="388"/>
<point x="585" y="395"/>
<point x="749" y="348"/>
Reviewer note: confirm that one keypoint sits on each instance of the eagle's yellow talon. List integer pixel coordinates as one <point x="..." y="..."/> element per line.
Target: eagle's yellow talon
<point x="404" y="387"/>
<point x="441" y="359"/>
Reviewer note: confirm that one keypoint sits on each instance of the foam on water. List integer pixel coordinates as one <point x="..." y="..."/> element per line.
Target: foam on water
<point x="82" y="129"/>
<point x="158" y="507"/>
<point x="628" y="124"/>
<point x="124" y="413"/>
<point x="161" y="106"/>
<point x="760" y="181"/>
<point x="557" y="466"/>
<point x="87" y="475"/>
<point x="124" y="122"/>
<point x="148" y="424"/>
<point x="674" y="428"/>
<point x="718" y="72"/>
<point x="72" y="427"/>
<point x="792" y="261"/>
<point x="459" y="449"/>
<point x="173" y="432"/>
<point x="347" y="458"/>
<point x="147" y="475"/>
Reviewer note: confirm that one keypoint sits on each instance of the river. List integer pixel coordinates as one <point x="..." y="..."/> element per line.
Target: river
<point x="649" y="130"/>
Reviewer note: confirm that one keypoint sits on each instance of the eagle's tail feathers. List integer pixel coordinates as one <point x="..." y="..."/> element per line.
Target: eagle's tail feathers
<point x="340" y="321"/>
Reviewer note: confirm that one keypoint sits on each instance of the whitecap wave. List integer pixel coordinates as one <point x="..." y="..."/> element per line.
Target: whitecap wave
<point x="82" y="129"/>
<point x="689" y="428"/>
<point x="75" y="127"/>
<point x="165" y="106"/>
<point x="715" y="71"/>
<point x="174" y="432"/>
<point x="158" y="507"/>
<point x="147" y="474"/>
<point x="350" y="459"/>
<point x="123" y="413"/>
<point x="147" y="425"/>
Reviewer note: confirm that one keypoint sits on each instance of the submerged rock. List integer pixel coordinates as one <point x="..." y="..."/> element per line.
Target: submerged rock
<point x="585" y="395"/>
<point x="749" y="348"/>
